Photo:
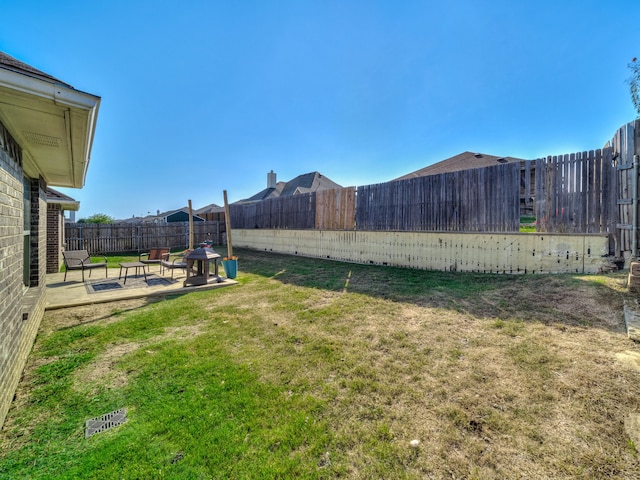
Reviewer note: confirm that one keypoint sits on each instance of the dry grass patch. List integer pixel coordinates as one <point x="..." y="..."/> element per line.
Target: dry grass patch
<point x="104" y="313"/>
<point x="100" y="373"/>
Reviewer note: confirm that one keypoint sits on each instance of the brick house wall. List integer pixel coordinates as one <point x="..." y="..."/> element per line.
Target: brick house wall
<point x="21" y="306"/>
<point x="36" y="105"/>
<point x="38" y="233"/>
<point x="55" y="230"/>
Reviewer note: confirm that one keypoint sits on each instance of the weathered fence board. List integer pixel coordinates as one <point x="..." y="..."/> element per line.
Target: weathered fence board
<point x="569" y="192"/>
<point x="486" y="199"/>
<point x="625" y="186"/>
<point x="509" y="253"/>
<point x="298" y="211"/>
<point x="336" y="209"/>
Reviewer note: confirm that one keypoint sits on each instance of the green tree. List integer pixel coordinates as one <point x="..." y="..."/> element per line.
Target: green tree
<point x="634" y="84"/>
<point x="97" y="218"/>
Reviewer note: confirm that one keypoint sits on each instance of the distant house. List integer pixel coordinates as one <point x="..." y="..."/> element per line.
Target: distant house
<point x="211" y="212"/>
<point x="469" y="160"/>
<point x="306" y="183"/>
<point x="132" y="220"/>
<point x="180" y="215"/>
<point x="57" y="204"/>
<point x="46" y="134"/>
<point x="462" y="161"/>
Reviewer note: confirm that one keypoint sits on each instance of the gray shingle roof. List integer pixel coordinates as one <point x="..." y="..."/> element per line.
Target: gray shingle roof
<point x="10" y="63"/>
<point x="305" y="183"/>
<point x="56" y="195"/>
<point x="311" y="181"/>
<point x="462" y="161"/>
<point x="211" y="208"/>
<point x="265" y="194"/>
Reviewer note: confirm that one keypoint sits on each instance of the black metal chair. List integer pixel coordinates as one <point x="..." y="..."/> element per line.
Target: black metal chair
<point x="81" y="260"/>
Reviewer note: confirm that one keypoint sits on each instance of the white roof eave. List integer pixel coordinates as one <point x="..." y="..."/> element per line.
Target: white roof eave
<point x="80" y="106"/>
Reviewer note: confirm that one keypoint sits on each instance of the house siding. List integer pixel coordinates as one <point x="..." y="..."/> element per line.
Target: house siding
<point x="21" y="307"/>
<point x="181" y="217"/>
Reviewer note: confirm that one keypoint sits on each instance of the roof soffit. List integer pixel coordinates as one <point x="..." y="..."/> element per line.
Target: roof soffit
<point x="53" y="124"/>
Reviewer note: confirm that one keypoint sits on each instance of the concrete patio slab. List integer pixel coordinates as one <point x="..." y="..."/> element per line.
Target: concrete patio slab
<point x="73" y="292"/>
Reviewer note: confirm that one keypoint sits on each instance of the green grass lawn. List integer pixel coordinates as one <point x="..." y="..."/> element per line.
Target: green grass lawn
<point x="527" y="224"/>
<point x="319" y="369"/>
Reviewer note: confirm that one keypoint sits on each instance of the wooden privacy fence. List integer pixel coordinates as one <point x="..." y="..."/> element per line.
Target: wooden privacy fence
<point x="297" y="212"/>
<point x="584" y="192"/>
<point x="626" y="148"/>
<point x="593" y="192"/>
<point x="323" y="210"/>
<point x="127" y="237"/>
<point x="336" y="209"/>
<point x="576" y="193"/>
<point x="475" y="200"/>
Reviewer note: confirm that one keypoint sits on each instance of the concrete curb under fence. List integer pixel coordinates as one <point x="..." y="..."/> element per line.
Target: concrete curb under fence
<point x="511" y="253"/>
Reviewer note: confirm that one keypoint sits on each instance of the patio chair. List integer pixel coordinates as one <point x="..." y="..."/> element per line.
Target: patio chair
<point x="167" y="264"/>
<point x="81" y="260"/>
<point x="154" y="256"/>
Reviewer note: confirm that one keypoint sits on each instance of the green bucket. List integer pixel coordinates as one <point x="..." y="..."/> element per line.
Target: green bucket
<point x="230" y="268"/>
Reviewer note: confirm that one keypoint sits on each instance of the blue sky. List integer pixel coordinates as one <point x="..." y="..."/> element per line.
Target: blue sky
<point x="203" y="96"/>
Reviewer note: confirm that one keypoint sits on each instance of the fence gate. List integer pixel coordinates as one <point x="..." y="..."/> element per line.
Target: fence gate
<point x="625" y="154"/>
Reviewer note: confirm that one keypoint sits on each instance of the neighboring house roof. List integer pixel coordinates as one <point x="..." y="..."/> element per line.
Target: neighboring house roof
<point x="53" y="123"/>
<point x="306" y="183"/>
<point x="58" y="198"/>
<point x="179" y="215"/>
<point x="265" y="194"/>
<point x="212" y="208"/>
<point x="132" y="219"/>
<point x="309" y="182"/>
<point x="462" y="161"/>
<point x="160" y="216"/>
<point x="182" y="215"/>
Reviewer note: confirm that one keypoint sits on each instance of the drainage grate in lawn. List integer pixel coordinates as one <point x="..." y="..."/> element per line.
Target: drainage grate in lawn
<point x="105" y="422"/>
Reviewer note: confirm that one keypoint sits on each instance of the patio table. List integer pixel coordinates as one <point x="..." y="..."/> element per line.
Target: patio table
<point x="128" y="265"/>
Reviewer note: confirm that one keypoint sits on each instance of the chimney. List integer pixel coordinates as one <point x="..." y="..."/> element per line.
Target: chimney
<point x="271" y="179"/>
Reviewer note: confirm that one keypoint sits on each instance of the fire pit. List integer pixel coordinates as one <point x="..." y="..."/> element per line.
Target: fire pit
<point x="199" y="267"/>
